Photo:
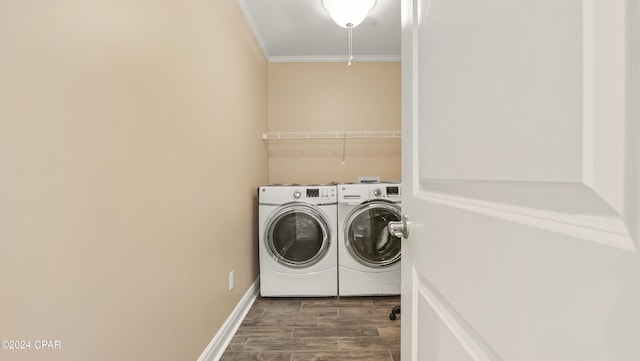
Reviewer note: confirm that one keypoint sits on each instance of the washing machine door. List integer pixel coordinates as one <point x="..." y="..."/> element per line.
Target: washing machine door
<point x="298" y="235"/>
<point x="367" y="235"/>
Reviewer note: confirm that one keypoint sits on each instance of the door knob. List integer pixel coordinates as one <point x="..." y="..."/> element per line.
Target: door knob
<point x="400" y="228"/>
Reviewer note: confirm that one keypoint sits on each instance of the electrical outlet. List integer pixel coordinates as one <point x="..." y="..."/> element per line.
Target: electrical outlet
<point x="230" y="280"/>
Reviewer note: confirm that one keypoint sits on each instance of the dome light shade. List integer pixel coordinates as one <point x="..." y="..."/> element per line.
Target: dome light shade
<point x="348" y="13"/>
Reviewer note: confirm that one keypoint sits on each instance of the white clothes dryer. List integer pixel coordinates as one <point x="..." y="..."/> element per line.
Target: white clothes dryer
<point x="368" y="256"/>
<point x="298" y="240"/>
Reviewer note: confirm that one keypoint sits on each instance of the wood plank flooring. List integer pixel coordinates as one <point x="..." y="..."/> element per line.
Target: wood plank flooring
<point x="318" y="329"/>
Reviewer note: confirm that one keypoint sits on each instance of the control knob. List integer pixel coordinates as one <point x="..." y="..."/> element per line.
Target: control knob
<point x="297" y="194"/>
<point x="377" y="192"/>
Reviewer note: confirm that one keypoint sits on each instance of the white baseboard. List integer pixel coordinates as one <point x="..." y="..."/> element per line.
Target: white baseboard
<point x="221" y="340"/>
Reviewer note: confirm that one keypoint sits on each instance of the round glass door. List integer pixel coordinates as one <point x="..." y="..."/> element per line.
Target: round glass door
<point x="367" y="234"/>
<point x="298" y="235"/>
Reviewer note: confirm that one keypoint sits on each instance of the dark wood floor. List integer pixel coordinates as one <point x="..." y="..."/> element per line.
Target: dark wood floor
<point x="318" y="329"/>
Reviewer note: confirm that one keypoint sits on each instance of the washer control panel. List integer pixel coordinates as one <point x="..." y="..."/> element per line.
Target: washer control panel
<point x="385" y="191"/>
<point x="358" y="193"/>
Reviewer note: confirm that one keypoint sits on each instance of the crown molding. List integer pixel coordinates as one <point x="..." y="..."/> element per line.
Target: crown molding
<point x="249" y="19"/>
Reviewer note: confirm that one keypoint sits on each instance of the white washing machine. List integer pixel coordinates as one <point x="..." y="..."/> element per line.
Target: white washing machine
<point x="368" y="256"/>
<point x="298" y="240"/>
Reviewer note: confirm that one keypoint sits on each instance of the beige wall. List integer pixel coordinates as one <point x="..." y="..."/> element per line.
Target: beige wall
<point x="126" y="196"/>
<point x="333" y="97"/>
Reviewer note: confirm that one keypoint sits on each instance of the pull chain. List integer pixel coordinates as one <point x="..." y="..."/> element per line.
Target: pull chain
<point x="350" y="47"/>
<point x="344" y="148"/>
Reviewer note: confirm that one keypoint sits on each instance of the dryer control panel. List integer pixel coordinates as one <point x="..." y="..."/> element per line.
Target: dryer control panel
<point x="280" y="194"/>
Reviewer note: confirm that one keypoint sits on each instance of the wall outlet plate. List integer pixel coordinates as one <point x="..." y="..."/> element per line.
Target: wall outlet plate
<point x="369" y="179"/>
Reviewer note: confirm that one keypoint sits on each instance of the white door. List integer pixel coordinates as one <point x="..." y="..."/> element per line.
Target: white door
<point x="520" y="172"/>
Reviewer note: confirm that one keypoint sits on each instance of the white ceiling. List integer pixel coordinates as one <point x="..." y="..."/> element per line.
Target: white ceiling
<point x="302" y="30"/>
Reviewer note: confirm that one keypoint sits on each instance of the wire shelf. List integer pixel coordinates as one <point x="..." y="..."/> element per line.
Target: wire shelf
<point x="331" y="135"/>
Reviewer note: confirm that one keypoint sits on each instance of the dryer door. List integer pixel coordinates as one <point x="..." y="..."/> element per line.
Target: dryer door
<point x="298" y="235"/>
<point x="367" y="235"/>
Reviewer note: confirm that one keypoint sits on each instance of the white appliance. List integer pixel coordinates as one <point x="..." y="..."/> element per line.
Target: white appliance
<point x="298" y="240"/>
<point x="368" y="256"/>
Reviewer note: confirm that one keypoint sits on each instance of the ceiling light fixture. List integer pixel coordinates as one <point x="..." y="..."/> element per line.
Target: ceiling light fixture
<point x="349" y="14"/>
